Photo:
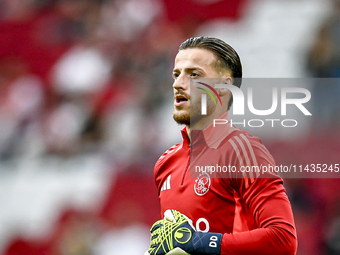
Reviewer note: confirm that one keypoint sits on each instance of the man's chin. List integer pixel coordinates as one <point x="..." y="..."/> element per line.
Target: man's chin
<point x="182" y="118"/>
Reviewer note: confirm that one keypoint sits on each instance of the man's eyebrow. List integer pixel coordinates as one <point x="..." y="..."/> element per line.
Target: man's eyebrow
<point x="189" y="69"/>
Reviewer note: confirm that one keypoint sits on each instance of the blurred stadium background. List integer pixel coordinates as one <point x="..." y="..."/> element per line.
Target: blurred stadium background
<point x="86" y="110"/>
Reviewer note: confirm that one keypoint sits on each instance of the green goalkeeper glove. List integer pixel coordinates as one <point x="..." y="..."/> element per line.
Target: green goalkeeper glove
<point x="176" y="230"/>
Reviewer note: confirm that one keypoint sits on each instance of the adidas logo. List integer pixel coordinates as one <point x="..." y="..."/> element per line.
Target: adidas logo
<point x="166" y="184"/>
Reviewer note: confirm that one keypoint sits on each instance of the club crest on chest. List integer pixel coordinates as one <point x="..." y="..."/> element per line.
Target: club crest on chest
<point x="202" y="184"/>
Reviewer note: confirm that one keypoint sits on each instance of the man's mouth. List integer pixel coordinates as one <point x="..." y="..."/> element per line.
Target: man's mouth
<point x="180" y="100"/>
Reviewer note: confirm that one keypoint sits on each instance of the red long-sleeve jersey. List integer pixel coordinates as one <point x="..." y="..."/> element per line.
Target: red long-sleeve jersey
<point x="251" y="209"/>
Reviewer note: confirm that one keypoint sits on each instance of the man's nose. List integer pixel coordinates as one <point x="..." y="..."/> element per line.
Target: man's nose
<point x="181" y="82"/>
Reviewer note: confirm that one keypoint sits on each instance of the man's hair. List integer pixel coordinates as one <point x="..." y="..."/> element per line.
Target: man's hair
<point x="227" y="57"/>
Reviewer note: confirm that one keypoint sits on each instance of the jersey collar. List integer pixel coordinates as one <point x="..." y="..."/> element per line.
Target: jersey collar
<point x="213" y="136"/>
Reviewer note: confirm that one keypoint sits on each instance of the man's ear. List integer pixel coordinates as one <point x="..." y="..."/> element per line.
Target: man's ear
<point x="224" y="91"/>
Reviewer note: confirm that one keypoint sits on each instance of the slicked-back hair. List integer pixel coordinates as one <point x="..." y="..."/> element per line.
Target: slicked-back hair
<point x="227" y="57"/>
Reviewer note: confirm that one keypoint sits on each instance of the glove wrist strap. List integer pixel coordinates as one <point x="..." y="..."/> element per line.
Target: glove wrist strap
<point x="207" y="243"/>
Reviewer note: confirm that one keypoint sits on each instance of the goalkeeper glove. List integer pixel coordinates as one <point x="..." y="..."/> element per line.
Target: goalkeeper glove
<point x="167" y="235"/>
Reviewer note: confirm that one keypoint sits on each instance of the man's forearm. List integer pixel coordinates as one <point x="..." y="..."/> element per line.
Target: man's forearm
<point x="271" y="241"/>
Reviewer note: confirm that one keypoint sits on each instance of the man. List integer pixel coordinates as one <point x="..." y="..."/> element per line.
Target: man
<point x="230" y="212"/>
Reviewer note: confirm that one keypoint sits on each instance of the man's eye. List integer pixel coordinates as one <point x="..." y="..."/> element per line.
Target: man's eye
<point x="194" y="75"/>
<point x="175" y="75"/>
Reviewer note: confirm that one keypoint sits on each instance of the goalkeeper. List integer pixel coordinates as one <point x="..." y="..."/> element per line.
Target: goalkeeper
<point x="237" y="213"/>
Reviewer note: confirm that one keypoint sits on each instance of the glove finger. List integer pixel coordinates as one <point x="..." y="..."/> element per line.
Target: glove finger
<point x="151" y="251"/>
<point x="159" y="230"/>
<point x="154" y="245"/>
<point x="179" y="217"/>
<point x="157" y="249"/>
<point x="157" y="225"/>
<point x="176" y="215"/>
<point x="154" y="235"/>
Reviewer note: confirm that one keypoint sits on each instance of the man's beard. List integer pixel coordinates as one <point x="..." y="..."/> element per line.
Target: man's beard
<point x="192" y="117"/>
<point x="182" y="118"/>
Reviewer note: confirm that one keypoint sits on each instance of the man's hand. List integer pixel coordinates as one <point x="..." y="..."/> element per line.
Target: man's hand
<point x="176" y="230"/>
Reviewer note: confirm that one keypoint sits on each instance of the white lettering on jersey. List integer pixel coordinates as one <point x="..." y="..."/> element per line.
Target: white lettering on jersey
<point x="206" y="222"/>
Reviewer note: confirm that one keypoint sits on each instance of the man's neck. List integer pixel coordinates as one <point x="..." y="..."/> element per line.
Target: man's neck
<point x="188" y="132"/>
<point x="203" y="123"/>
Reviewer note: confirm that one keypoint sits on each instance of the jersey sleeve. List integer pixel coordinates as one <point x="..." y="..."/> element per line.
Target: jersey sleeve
<point x="275" y="233"/>
<point x="264" y="196"/>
